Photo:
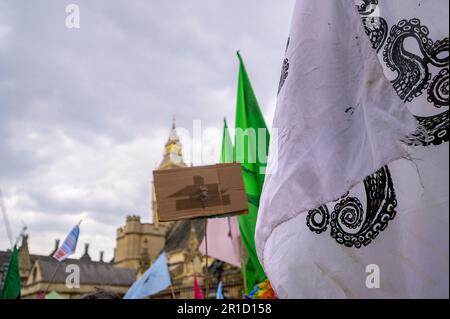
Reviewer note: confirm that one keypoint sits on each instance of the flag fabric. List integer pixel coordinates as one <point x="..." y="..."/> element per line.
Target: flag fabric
<point x="219" y="294"/>
<point x="351" y="209"/>
<point x="250" y="149"/>
<point x="53" y="295"/>
<point x="223" y="240"/>
<point x="69" y="245"/>
<point x="40" y="295"/>
<point x="226" y="155"/>
<point x="262" y="290"/>
<point x="223" y="233"/>
<point x="11" y="284"/>
<point x="154" y="280"/>
<point x="198" y="294"/>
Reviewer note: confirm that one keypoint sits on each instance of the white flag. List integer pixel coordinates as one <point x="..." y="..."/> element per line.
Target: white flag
<point x="349" y="212"/>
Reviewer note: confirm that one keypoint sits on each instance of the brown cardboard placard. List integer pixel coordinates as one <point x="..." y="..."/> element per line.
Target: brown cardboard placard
<point x="202" y="191"/>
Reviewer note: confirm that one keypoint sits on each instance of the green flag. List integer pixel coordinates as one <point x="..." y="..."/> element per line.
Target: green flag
<point x="11" y="284"/>
<point x="227" y="145"/>
<point x="54" y="295"/>
<point x="251" y="147"/>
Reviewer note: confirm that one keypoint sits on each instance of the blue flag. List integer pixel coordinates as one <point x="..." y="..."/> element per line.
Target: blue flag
<point x="155" y="279"/>
<point x="219" y="294"/>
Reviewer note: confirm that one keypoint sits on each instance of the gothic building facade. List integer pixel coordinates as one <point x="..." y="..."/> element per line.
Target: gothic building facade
<point x="137" y="246"/>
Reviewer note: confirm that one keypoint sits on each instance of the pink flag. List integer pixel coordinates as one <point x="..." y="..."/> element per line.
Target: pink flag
<point x="223" y="240"/>
<point x="198" y="294"/>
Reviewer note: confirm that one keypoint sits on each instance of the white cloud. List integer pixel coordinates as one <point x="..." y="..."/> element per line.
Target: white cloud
<point x="84" y="114"/>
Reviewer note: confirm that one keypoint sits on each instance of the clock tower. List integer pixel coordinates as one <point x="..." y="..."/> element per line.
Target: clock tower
<point x="173" y="158"/>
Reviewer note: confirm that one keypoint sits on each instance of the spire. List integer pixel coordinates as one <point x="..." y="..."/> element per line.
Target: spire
<point x="173" y="136"/>
<point x="173" y="158"/>
<point x="173" y="155"/>
<point x="24" y="256"/>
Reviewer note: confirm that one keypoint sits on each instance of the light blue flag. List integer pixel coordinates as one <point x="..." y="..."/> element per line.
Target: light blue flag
<point x="219" y="294"/>
<point x="155" y="279"/>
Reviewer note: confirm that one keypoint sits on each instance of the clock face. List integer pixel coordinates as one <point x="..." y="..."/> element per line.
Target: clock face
<point x="175" y="158"/>
<point x="174" y="149"/>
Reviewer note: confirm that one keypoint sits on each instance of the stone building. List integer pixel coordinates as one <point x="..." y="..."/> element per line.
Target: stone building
<point x="180" y="240"/>
<point x="138" y="243"/>
<point x="137" y="246"/>
<point x="36" y="272"/>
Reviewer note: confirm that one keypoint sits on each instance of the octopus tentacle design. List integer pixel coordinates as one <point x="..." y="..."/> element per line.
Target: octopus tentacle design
<point x="284" y="69"/>
<point x="376" y="29"/>
<point x="413" y="73"/>
<point x="318" y="219"/>
<point x="351" y="225"/>
<point x="284" y="74"/>
<point x="438" y="90"/>
<point x="367" y="7"/>
<point x="436" y="127"/>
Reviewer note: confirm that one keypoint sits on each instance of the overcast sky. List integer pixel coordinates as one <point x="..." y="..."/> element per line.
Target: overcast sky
<point x="85" y="113"/>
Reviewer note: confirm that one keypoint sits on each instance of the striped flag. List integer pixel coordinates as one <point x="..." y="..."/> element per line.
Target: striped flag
<point x="69" y="245"/>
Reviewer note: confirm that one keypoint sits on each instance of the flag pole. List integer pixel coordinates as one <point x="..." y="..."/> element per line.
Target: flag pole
<point x="171" y="284"/>
<point x="243" y="266"/>
<point x="172" y="291"/>
<point x="59" y="259"/>
<point x="53" y="277"/>
<point x="206" y="258"/>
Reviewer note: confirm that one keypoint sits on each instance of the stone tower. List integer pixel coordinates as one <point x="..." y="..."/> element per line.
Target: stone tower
<point x="24" y="258"/>
<point x="138" y="243"/>
<point x="173" y="158"/>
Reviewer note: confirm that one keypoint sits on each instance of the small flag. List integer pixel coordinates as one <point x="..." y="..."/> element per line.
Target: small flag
<point x="223" y="240"/>
<point x="69" y="245"/>
<point x="262" y="290"/>
<point x="11" y="286"/>
<point x="198" y="294"/>
<point x="155" y="279"/>
<point x="40" y="295"/>
<point x="54" y="295"/>
<point x="219" y="294"/>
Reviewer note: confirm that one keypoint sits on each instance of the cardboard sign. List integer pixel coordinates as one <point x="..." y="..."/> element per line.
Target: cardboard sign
<point x="203" y="191"/>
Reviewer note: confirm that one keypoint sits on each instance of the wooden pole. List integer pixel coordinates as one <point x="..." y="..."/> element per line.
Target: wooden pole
<point x="173" y="292"/>
<point x="243" y="265"/>
<point x="206" y="258"/>
<point x="53" y="277"/>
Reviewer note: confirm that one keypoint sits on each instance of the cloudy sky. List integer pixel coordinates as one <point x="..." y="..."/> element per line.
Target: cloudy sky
<point x="84" y="113"/>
